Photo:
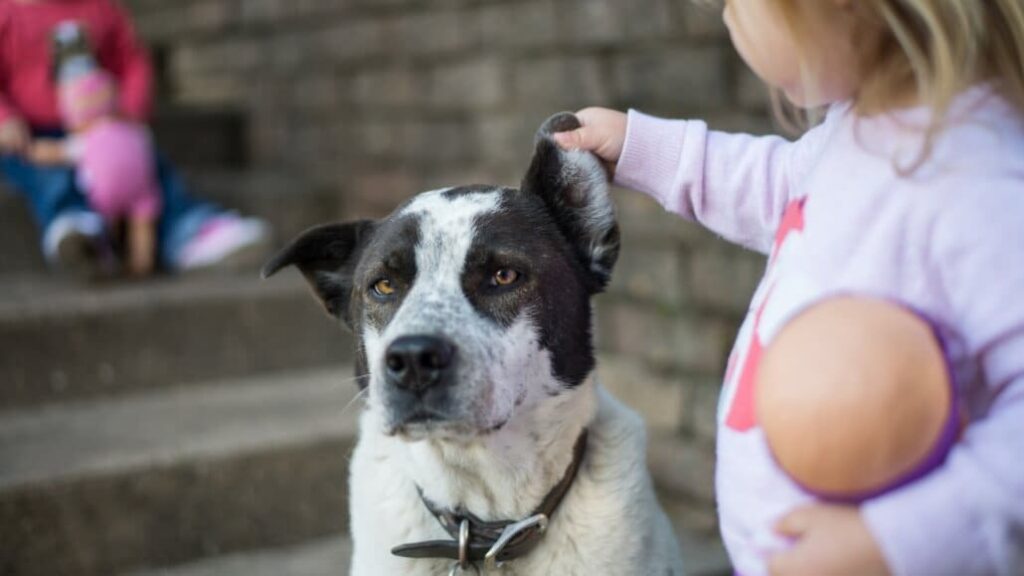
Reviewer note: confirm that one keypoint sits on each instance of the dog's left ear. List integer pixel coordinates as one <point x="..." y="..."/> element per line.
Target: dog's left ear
<point x="327" y="256"/>
<point x="574" y="186"/>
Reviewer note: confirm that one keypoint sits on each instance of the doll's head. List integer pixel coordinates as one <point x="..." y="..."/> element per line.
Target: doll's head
<point x="86" y="98"/>
<point x="70" y="53"/>
<point x="856" y="397"/>
<point x="86" y="92"/>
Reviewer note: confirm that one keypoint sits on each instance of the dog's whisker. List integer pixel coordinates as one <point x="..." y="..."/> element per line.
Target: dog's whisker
<point x="354" y="399"/>
<point x="345" y="381"/>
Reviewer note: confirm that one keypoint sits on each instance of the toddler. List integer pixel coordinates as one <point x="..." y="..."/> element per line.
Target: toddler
<point x="190" y="234"/>
<point x="910" y="191"/>
<point x="113" y="157"/>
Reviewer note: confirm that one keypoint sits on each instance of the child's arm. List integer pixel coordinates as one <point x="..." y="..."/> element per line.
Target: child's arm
<point x="737" y="185"/>
<point x="129" y="63"/>
<point x="968" y="516"/>
<point x="54" y="152"/>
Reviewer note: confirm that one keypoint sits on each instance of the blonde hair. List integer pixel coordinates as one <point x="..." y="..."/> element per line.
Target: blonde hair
<point x="928" y="51"/>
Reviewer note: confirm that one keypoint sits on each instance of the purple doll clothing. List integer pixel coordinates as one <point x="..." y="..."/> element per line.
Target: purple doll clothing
<point x="116" y="169"/>
<point x="837" y="214"/>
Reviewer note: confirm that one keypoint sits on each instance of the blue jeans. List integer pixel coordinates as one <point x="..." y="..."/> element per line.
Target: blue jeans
<point x="52" y="191"/>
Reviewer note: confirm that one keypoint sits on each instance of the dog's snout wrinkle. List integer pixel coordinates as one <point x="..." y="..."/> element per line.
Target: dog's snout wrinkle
<point x="417" y="363"/>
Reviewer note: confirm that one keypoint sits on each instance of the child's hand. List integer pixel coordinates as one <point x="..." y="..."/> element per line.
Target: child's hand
<point x="14" y="136"/>
<point x="830" y="539"/>
<point x="48" y="152"/>
<point x="603" y="133"/>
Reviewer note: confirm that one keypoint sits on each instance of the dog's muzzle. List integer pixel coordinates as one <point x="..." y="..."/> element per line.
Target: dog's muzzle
<point x="418" y="363"/>
<point x="419" y="378"/>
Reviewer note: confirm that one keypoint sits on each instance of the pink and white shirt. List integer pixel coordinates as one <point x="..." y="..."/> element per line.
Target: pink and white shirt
<point x="837" y="214"/>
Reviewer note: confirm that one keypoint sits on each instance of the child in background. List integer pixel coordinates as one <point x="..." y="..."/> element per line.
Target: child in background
<point x="190" y="234"/>
<point x="114" y="158"/>
<point x="911" y="190"/>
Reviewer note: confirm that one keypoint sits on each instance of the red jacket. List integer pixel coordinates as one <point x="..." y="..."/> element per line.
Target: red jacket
<point x="26" y="84"/>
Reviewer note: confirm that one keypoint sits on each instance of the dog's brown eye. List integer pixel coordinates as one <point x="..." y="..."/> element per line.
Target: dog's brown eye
<point x="504" y="277"/>
<point x="383" y="287"/>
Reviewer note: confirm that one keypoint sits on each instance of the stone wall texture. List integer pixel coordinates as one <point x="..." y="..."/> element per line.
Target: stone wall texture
<point x="378" y="99"/>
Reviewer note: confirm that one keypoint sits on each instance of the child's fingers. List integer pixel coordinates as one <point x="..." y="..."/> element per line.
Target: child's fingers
<point x="795" y="524"/>
<point x="15" y="137"/>
<point x="579" y="139"/>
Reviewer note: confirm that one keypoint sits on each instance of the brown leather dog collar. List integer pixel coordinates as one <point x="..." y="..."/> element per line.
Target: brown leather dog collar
<point x="475" y="540"/>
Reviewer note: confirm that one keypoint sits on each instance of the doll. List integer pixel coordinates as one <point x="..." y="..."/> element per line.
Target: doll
<point x="114" y="157"/>
<point x="856" y="398"/>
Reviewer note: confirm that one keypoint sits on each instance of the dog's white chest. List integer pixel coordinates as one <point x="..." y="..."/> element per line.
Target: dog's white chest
<point x="608" y="523"/>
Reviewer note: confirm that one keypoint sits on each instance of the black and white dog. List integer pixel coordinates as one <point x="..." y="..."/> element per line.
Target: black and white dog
<point x="486" y="445"/>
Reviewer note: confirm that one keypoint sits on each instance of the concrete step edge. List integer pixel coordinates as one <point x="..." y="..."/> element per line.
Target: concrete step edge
<point x="330" y="556"/>
<point x="69" y="442"/>
<point x="322" y="557"/>
<point x="64" y="342"/>
<point x="32" y="296"/>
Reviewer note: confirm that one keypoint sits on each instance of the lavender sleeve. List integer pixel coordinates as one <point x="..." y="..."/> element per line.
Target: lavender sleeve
<point x="968" y="516"/>
<point x="737" y="185"/>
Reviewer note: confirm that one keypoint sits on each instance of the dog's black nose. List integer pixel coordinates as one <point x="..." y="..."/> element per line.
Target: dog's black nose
<point x="416" y="363"/>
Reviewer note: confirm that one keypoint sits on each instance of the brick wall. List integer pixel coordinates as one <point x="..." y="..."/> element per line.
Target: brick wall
<point x="377" y="99"/>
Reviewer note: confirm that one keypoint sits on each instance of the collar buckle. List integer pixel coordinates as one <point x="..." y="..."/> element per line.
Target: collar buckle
<point x="540" y="521"/>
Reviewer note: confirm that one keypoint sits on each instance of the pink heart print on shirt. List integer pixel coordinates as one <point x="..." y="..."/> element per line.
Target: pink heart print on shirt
<point x="740" y="414"/>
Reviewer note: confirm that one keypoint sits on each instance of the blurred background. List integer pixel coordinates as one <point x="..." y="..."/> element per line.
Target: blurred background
<point x="200" y="423"/>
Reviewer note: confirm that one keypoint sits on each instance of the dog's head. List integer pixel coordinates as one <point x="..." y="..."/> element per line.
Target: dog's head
<point x="471" y="303"/>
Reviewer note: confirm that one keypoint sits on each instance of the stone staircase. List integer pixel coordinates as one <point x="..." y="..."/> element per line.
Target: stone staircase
<point x="186" y="426"/>
<point x="149" y="424"/>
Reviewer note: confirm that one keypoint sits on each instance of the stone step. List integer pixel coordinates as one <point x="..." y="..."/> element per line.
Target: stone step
<point x="330" y="556"/>
<point x="288" y="204"/>
<point x="172" y="476"/>
<point x="19" y="236"/>
<point x="62" y="341"/>
<point x="702" y="549"/>
<point x="322" y="557"/>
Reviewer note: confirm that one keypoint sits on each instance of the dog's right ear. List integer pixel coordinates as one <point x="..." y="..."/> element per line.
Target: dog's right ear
<point x="327" y="257"/>
<point x="574" y="186"/>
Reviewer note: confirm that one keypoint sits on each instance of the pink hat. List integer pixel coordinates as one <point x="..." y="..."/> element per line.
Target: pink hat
<point x="87" y="97"/>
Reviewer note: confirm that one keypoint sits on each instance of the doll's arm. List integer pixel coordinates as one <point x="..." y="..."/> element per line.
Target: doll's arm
<point x="142" y="223"/>
<point x="737" y="185"/>
<point x="141" y="245"/>
<point x="968" y="516"/>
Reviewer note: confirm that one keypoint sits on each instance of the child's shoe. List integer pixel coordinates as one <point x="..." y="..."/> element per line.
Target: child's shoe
<point x="226" y="242"/>
<point x="75" y="244"/>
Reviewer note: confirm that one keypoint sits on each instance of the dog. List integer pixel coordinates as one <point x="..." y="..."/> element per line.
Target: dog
<point x="486" y="445"/>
